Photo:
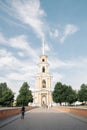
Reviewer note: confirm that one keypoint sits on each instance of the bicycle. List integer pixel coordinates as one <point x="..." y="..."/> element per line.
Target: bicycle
<point x="22" y="115"/>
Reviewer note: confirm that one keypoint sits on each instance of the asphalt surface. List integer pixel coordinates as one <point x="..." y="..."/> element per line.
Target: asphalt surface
<point x="45" y="119"/>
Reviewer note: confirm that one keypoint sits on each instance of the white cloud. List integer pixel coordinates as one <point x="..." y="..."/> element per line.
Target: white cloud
<point x="15" y="71"/>
<point x="56" y="63"/>
<point x="62" y="34"/>
<point x="71" y="72"/>
<point x="2" y="39"/>
<point x="19" y="43"/>
<point x="78" y="63"/>
<point x="21" y="54"/>
<point x="69" y="29"/>
<point x="3" y="52"/>
<point x="6" y="59"/>
<point x="75" y="77"/>
<point x="9" y="63"/>
<point x="57" y="77"/>
<point x="55" y="33"/>
<point x="47" y="48"/>
<point x="13" y="68"/>
<point x="29" y="12"/>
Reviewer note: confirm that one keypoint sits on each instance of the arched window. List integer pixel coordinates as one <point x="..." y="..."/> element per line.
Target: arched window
<point x="43" y="60"/>
<point x="43" y="83"/>
<point x="43" y="69"/>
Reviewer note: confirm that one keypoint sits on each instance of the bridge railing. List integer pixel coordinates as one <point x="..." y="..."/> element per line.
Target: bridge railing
<point x="74" y="110"/>
<point x="6" y="112"/>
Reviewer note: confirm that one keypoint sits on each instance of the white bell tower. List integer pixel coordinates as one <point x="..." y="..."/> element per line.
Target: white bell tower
<point x="43" y="95"/>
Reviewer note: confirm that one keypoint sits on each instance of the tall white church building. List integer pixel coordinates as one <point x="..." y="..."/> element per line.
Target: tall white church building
<point x="43" y="93"/>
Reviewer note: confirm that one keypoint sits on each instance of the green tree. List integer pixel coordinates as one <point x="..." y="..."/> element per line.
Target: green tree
<point x="57" y="93"/>
<point x="71" y="96"/>
<point x="6" y="95"/>
<point x="82" y="93"/>
<point x="25" y="95"/>
<point x="64" y="93"/>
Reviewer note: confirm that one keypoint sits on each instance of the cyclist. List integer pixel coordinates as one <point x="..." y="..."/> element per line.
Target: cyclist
<point x="22" y="112"/>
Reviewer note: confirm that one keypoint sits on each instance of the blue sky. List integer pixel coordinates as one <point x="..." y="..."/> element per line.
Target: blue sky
<point x="63" y="26"/>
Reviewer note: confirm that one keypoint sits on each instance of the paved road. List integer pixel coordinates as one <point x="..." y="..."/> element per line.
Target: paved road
<point x="44" y="119"/>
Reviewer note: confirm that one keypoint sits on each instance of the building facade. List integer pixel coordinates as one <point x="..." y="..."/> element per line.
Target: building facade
<point x="43" y="93"/>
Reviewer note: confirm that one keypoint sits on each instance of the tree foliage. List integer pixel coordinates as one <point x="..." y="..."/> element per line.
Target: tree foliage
<point x="71" y="95"/>
<point x="25" y="95"/>
<point x="6" y="95"/>
<point x="64" y="93"/>
<point x="57" y="93"/>
<point x="82" y="93"/>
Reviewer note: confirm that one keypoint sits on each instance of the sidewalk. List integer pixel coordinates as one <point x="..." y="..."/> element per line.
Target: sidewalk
<point x="81" y="118"/>
<point x="8" y="120"/>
